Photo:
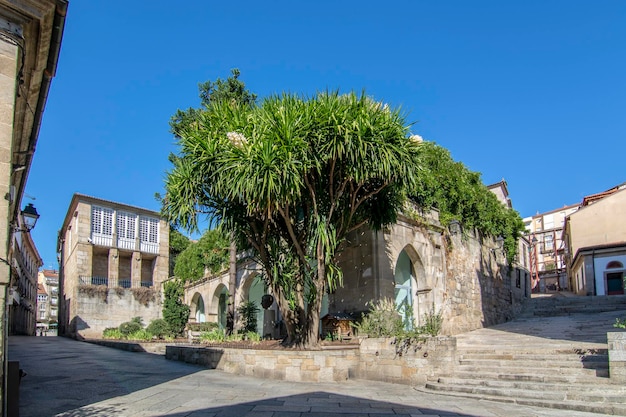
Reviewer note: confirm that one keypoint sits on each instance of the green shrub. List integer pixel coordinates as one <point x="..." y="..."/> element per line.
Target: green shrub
<point x="159" y="328"/>
<point x="132" y="326"/>
<point x="620" y="324"/>
<point x="175" y="312"/>
<point x="432" y="323"/>
<point x="382" y="320"/>
<point x="248" y="311"/>
<point x="215" y="335"/>
<point x="202" y="327"/>
<point x="252" y="336"/>
<point x="141" y="334"/>
<point x="112" y="333"/>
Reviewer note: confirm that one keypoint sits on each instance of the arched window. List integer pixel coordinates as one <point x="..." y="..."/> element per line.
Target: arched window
<point x="614" y="265"/>
<point x="200" y="316"/>
<point x="404" y="276"/>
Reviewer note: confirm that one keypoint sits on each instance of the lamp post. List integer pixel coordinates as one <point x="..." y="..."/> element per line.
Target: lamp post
<point x="29" y="218"/>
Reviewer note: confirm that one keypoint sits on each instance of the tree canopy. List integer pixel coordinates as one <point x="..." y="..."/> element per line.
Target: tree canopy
<point x="289" y="179"/>
<point x="210" y="253"/>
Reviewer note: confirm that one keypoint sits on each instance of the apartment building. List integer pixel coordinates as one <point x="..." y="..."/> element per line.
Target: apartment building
<point x="544" y="233"/>
<point x="48" y="299"/>
<point x="595" y="244"/>
<point x="113" y="259"/>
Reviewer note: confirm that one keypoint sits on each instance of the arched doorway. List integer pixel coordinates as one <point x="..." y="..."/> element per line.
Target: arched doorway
<point x="614" y="278"/>
<point x="197" y="308"/>
<point x="220" y="299"/>
<point x="404" y="280"/>
<point x="255" y="293"/>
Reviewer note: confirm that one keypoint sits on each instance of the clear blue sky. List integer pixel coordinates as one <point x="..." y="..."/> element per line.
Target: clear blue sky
<point x="530" y="91"/>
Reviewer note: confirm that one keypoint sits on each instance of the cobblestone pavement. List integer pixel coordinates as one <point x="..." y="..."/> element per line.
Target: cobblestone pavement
<point x="70" y="378"/>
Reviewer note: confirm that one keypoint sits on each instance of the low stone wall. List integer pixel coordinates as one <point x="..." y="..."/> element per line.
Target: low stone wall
<point x="373" y="359"/>
<point x="617" y="356"/>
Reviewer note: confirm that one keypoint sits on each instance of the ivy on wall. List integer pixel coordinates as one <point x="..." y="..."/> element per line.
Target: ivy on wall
<point x="459" y="194"/>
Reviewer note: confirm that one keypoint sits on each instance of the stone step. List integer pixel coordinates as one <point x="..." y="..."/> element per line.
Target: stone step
<point x="537" y="393"/>
<point x="513" y="356"/>
<point x="585" y="406"/>
<point x="545" y="365"/>
<point x="494" y="375"/>
<point x="571" y="388"/>
<point x="515" y="370"/>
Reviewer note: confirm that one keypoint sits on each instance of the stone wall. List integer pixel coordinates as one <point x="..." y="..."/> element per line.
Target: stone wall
<point x="481" y="290"/>
<point x="101" y="308"/>
<point x="373" y="359"/>
<point x="617" y="356"/>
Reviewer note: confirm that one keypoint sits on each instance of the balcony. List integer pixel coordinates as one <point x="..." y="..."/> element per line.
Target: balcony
<point x="124" y="243"/>
<point x="124" y="283"/>
<point x="93" y="280"/>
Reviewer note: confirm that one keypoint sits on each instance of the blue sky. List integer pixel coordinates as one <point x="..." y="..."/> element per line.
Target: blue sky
<point x="530" y="91"/>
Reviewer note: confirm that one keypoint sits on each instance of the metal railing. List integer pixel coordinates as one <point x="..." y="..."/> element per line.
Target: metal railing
<point x="93" y="280"/>
<point x="124" y="283"/>
<point x="146" y="284"/>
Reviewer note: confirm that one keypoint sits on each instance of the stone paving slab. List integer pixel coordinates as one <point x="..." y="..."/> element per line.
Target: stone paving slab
<point x="67" y="378"/>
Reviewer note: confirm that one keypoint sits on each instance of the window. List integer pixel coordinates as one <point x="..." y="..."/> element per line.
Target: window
<point x="548" y="242"/>
<point x="149" y="230"/>
<point x="42" y="315"/>
<point x="125" y="225"/>
<point x="126" y="229"/>
<point x="101" y="226"/>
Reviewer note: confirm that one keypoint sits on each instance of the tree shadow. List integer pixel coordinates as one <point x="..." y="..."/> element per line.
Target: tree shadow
<point x="64" y="374"/>
<point x="317" y="403"/>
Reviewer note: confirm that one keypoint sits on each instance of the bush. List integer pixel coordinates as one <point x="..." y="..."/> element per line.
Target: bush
<point x="141" y="334"/>
<point x="202" y="327"/>
<point x="159" y="328"/>
<point x="248" y="311"/>
<point x="175" y="312"/>
<point x="215" y="335"/>
<point x="432" y="323"/>
<point x="132" y="326"/>
<point x="382" y="321"/>
<point x="112" y="333"/>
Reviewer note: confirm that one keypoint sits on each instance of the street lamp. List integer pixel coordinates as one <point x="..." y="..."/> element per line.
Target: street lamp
<point x="29" y="218"/>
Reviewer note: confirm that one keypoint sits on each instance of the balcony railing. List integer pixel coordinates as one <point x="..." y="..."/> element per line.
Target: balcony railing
<point x="124" y="283"/>
<point x="146" y="284"/>
<point x="149" y="247"/>
<point x="93" y="280"/>
<point x="125" y="243"/>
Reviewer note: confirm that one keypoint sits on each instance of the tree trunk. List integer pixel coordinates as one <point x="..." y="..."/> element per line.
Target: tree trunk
<point x="232" y="287"/>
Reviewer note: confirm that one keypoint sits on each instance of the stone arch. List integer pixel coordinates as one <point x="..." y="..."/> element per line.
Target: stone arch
<point x="197" y="308"/>
<point x="219" y="305"/>
<point x="253" y="289"/>
<point x="411" y="289"/>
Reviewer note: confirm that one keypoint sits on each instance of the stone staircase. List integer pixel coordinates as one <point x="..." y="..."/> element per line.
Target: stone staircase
<point x="553" y="356"/>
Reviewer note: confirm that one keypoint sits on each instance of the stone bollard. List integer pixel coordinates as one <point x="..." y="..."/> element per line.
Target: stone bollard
<point x="617" y="356"/>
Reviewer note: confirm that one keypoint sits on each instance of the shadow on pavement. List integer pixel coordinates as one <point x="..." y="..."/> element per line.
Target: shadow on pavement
<point x="311" y="404"/>
<point x="65" y="374"/>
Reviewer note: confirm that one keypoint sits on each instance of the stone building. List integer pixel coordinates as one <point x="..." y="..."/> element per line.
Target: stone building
<point x="25" y="262"/>
<point x="48" y="279"/>
<point x="417" y="263"/>
<point x="43" y="307"/>
<point x="29" y="50"/>
<point x="113" y="260"/>
<point x="595" y="244"/>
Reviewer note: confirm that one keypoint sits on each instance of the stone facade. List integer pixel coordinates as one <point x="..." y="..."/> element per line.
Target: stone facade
<point x="423" y="267"/>
<point x="98" y="309"/>
<point x="617" y="356"/>
<point x="29" y="49"/>
<point x="373" y="359"/>
<point x="121" y="249"/>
